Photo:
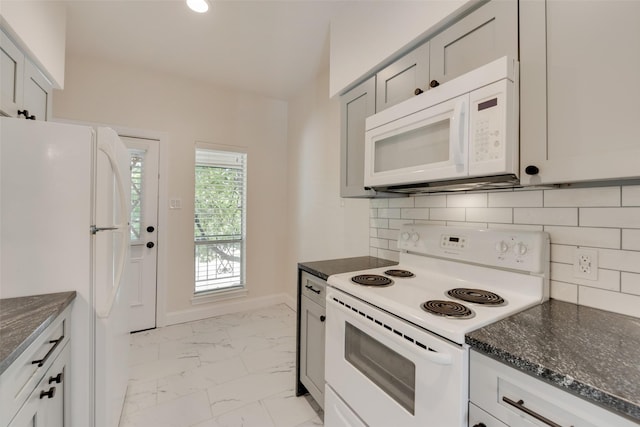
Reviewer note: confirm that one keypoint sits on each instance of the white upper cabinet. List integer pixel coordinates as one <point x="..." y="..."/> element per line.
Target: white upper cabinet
<point x="37" y="92"/>
<point x="488" y="33"/>
<point x="579" y="91"/>
<point x="407" y="77"/>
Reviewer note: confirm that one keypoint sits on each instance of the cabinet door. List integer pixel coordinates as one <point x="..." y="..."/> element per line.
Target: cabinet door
<point x="356" y="106"/>
<point x="37" y="92"/>
<point x="488" y="33"/>
<point x="57" y="407"/>
<point x="312" y="348"/>
<point x="11" y="75"/>
<point x="400" y="80"/>
<point x="580" y="91"/>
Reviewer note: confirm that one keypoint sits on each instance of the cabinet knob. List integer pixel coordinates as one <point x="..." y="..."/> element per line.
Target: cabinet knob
<point x="480" y="425"/>
<point x="150" y="229"/>
<point x="418" y="91"/>
<point x="434" y="83"/>
<point x="531" y="170"/>
<point x="26" y="115"/>
<point x="48" y="394"/>
<point x="57" y="379"/>
<point x="150" y="245"/>
<point x="323" y="318"/>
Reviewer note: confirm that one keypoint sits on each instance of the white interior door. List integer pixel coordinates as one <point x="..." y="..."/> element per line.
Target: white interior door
<point x="144" y="230"/>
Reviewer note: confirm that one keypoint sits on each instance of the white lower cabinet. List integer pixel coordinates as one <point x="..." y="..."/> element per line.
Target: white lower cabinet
<point x="35" y="388"/>
<point x="503" y="396"/>
<point x="312" y="331"/>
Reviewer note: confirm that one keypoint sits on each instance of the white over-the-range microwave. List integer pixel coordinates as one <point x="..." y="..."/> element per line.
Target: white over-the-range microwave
<point x="462" y="134"/>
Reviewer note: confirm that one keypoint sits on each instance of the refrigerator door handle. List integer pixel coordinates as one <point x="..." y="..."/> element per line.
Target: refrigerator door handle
<point x="95" y="229"/>
<point x="123" y="228"/>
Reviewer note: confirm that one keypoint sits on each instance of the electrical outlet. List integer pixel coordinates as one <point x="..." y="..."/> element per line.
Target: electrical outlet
<point x="585" y="264"/>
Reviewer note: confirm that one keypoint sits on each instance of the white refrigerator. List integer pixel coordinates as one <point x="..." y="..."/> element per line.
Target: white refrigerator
<point x="64" y="209"/>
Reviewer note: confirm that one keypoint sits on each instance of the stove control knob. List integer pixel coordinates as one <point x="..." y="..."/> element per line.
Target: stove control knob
<point x="520" y="248"/>
<point x="415" y="237"/>
<point x="502" y="247"/>
<point x="405" y="236"/>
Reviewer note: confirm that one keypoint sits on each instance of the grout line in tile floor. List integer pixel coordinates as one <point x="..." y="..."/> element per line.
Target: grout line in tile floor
<point x="232" y="370"/>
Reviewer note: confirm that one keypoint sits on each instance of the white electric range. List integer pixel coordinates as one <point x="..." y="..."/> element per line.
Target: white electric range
<point x="395" y="351"/>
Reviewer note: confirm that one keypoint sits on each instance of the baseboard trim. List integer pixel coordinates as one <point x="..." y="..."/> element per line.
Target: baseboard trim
<point x="227" y="307"/>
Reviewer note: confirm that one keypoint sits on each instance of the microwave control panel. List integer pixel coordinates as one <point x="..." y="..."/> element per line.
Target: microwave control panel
<point x="488" y="133"/>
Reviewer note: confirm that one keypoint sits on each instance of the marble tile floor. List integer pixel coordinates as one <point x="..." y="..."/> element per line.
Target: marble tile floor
<point x="231" y="370"/>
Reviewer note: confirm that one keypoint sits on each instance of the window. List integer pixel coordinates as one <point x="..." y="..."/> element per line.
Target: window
<point x="219" y="223"/>
<point x="136" y="219"/>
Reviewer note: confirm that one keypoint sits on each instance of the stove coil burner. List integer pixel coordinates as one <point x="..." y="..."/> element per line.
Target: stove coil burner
<point x="447" y="309"/>
<point x="399" y="273"/>
<point x="372" y="280"/>
<point x="477" y="296"/>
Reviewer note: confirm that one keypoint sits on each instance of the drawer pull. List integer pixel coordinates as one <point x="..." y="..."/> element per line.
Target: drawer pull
<point x="520" y="405"/>
<point x="57" y="379"/>
<point x="312" y="289"/>
<point x="55" y="343"/>
<point x="49" y="394"/>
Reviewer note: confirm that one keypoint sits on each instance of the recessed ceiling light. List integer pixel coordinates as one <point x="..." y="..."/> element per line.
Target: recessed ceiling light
<point x="200" y="6"/>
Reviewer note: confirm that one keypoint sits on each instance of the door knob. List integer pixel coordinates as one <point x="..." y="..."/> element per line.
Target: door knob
<point x="150" y="229"/>
<point x="150" y="245"/>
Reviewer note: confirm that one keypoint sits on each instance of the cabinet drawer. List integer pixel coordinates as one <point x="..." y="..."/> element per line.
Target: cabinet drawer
<point x="20" y="379"/>
<point x="313" y="288"/>
<point x="518" y="399"/>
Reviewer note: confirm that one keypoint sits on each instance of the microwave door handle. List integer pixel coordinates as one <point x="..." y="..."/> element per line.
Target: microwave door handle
<point x="457" y="133"/>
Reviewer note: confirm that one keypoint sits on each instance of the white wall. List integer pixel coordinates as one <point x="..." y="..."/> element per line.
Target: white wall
<point x="322" y="225"/>
<point x="188" y="112"/>
<point x="367" y="33"/>
<point x="39" y="27"/>
<point x="605" y="219"/>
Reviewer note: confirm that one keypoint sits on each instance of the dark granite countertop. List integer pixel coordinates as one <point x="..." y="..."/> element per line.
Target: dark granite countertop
<point x="23" y="319"/>
<point x="324" y="269"/>
<point x="591" y="353"/>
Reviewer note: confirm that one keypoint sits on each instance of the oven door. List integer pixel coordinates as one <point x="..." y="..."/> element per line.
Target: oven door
<point x="412" y="147"/>
<point x="389" y="372"/>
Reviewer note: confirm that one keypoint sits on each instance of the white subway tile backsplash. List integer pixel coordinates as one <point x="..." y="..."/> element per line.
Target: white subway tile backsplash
<point x="415" y="213"/>
<point x="564" y="291"/>
<point x="607" y="279"/>
<point x="604" y="218"/>
<point x="585" y="236"/>
<point x="500" y="215"/>
<point x="431" y="201"/>
<point x="562" y="253"/>
<point x="611" y="301"/>
<point x="610" y="217"/>
<point x="467" y="200"/>
<point x="619" y="260"/>
<point x="389" y="213"/>
<point x="448" y="214"/>
<point x="516" y="199"/>
<point x="579" y="197"/>
<point x="631" y="240"/>
<point x="401" y="202"/>
<point x="631" y="195"/>
<point x="630" y="283"/>
<point x="546" y="216"/>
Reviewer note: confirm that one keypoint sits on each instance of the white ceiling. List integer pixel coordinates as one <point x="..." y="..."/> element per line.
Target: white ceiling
<point x="269" y="47"/>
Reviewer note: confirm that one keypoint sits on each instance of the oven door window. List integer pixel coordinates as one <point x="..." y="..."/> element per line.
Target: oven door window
<point x="392" y="372"/>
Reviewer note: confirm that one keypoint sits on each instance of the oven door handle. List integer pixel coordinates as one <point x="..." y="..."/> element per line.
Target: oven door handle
<point x="438" y="358"/>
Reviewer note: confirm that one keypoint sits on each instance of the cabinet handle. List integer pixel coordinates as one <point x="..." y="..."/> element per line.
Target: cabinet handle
<point x="434" y="83"/>
<point x="418" y="91"/>
<point x="26" y="115"/>
<point x="520" y="405"/>
<point x="311" y="288"/>
<point x="531" y="170"/>
<point x="55" y="343"/>
<point x="57" y="379"/>
<point x="323" y="318"/>
<point x="49" y="394"/>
